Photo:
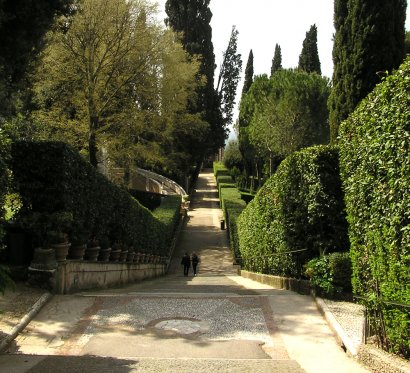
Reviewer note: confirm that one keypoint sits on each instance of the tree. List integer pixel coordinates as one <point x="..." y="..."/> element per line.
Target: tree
<point x="250" y="102"/>
<point x="369" y="39"/>
<point x="291" y="115"/>
<point x="277" y="60"/>
<point x="229" y="77"/>
<point x="407" y="43"/>
<point x="232" y="156"/>
<point x="192" y="19"/>
<point x="309" y="57"/>
<point x="248" y="80"/>
<point x="114" y="80"/>
<point x="22" y="26"/>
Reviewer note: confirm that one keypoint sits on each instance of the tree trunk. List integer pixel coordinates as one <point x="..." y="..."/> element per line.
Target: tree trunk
<point x="92" y="149"/>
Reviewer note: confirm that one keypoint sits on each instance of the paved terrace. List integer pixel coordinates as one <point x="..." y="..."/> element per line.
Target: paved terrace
<point x="217" y="321"/>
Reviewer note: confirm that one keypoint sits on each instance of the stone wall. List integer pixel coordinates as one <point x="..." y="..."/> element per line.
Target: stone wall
<point x="299" y="286"/>
<point x="72" y="276"/>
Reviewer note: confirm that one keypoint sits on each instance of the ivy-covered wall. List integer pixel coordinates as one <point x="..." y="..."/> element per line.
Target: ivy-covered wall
<point x="299" y="207"/>
<point x="51" y="177"/>
<point x="375" y="168"/>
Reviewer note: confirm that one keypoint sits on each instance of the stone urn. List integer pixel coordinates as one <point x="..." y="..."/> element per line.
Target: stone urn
<point x="76" y="252"/>
<point x="92" y="250"/>
<point x="44" y="259"/>
<point x="104" y="255"/>
<point x="123" y="255"/>
<point x="115" y="255"/>
<point x="60" y="250"/>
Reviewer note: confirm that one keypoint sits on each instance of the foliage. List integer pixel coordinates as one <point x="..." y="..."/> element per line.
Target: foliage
<point x="330" y="274"/>
<point x="277" y="60"/>
<point x="289" y="114"/>
<point x="150" y="200"/>
<point x="53" y="178"/>
<point x="191" y="18"/>
<point x="229" y="77"/>
<point x="120" y="85"/>
<point x="232" y="156"/>
<point x="369" y="40"/>
<point x="259" y="89"/>
<point x="309" y="57"/>
<point x="375" y="169"/>
<point x="248" y="79"/>
<point x="299" y="207"/>
<point x="5" y="280"/>
<point x="22" y="26"/>
<point x="220" y="169"/>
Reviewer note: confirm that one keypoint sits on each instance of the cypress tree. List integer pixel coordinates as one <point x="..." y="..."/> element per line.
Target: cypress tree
<point x="309" y="57"/>
<point x="248" y="74"/>
<point x="369" y="39"/>
<point x="229" y="77"/>
<point x="277" y="60"/>
<point x="192" y="18"/>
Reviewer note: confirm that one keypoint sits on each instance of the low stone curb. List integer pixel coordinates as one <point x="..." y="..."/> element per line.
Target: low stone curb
<point x="341" y="336"/>
<point x="25" y="320"/>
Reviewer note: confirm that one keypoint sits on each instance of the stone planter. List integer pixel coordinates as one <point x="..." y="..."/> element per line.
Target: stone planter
<point x="44" y="259"/>
<point x="137" y="258"/>
<point x="91" y="253"/>
<point x="76" y="252"/>
<point x="104" y="255"/>
<point x="123" y="256"/>
<point x="61" y="250"/>
<point x="130" y="256"/>
<point x="115" y="255"/>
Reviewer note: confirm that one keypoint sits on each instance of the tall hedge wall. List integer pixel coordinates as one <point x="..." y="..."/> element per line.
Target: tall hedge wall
<point x="375" y="168"/>
<point x="52" y="177"/>
<point x="299" y="207"/>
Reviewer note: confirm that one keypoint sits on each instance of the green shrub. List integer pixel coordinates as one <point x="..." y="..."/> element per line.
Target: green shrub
<point x="52" y="178"/>
<point x="299" y="207"/>
<point x="232" y="156"/>
<point x="149" y="200"/>
<point x="331" y="273"/>
<point x="5" y="280"/>
<point x="375" y="169"/>
<point x="220" y="169"/>
<point x="340" y="267"/>
<point x="224" y="179"/>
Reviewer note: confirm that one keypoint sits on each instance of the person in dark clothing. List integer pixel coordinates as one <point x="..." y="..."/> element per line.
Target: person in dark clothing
<point x="186" y="262"/>
<point x="195" y="261"/>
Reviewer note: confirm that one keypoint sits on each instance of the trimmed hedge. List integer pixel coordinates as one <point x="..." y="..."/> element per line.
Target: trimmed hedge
<point x="53" y="178"/>
<point x="148" y="199"/>
<point x="375" y="168"/>
<point x="168" y="215"/>
<point x="299" y="207"/>
<point x="231" y="204"/>
<point x="220" y="169"/>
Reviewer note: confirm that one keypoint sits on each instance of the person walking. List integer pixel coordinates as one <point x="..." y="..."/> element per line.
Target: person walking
<point x="186" y="262"/>
<point x="195" y="261"/>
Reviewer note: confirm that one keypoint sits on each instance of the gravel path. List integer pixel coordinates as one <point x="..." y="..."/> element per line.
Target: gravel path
<point x="350" y="317"/>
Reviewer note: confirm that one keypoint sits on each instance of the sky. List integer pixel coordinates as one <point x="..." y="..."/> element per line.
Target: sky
<point x="264" y="23"/>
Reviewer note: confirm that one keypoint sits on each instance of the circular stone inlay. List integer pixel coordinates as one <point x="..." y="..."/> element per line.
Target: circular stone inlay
<point x="180" y="326"/>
